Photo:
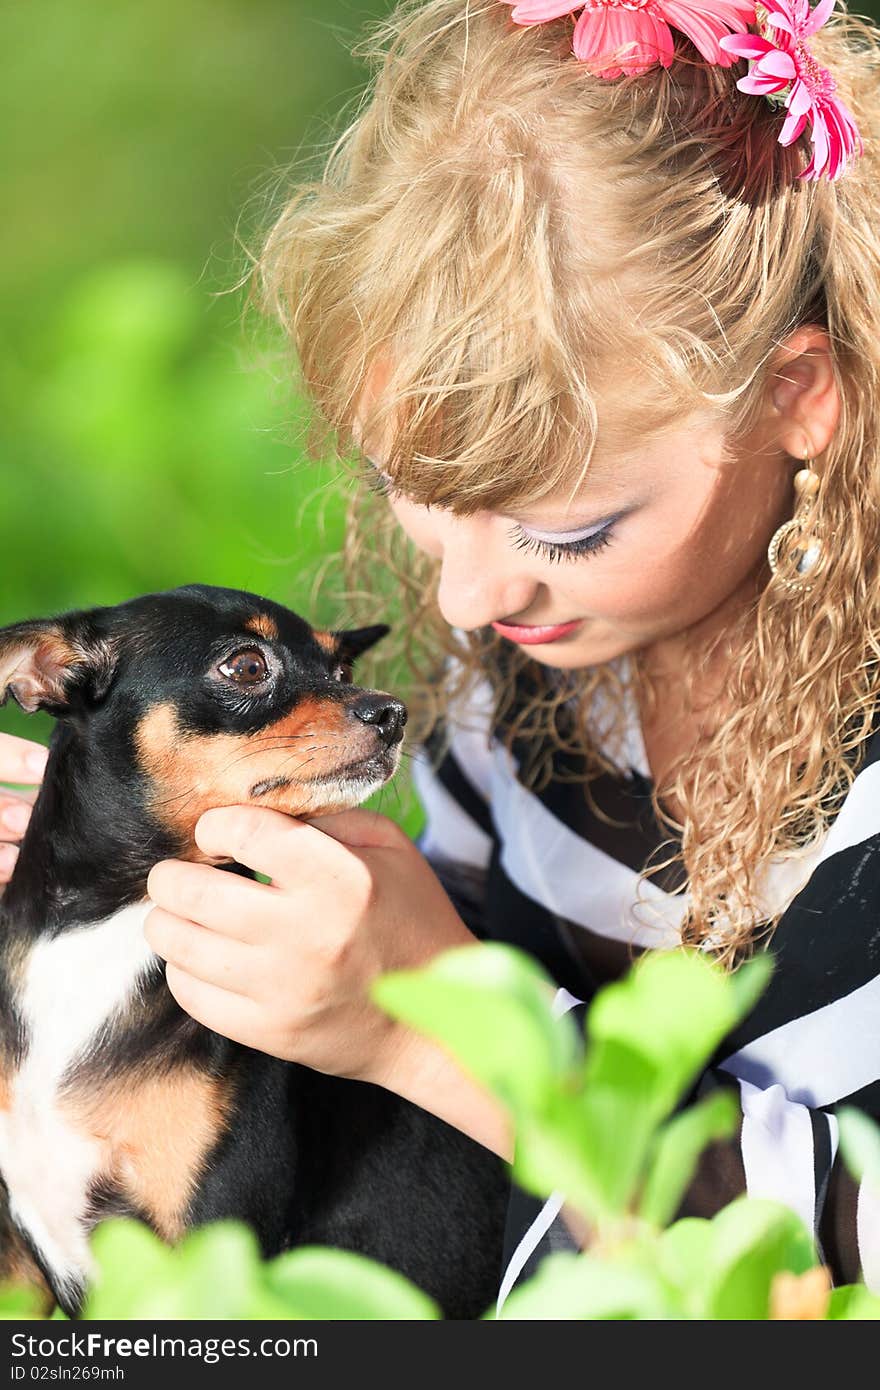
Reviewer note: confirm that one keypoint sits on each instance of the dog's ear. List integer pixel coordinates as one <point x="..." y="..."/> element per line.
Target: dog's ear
<point x="355" y="642"/>
<point x="55" y="664"/>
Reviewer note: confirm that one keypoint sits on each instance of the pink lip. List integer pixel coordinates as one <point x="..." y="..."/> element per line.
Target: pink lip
<point x="531" y="635"/>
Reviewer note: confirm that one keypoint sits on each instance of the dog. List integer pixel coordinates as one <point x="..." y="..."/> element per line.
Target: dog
<point x="113" y="1100"/>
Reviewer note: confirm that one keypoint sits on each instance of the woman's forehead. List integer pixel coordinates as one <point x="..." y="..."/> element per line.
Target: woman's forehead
<point x="630" y="446"/>
<point x="630" y="413"/>
<point x="612" y="468"/>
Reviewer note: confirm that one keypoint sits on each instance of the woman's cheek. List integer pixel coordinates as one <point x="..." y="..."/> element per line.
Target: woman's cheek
<point x="660" y="582"/>
<point x="636" y="580"/>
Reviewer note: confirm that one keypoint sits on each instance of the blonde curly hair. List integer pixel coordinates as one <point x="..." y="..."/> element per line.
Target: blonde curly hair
<point x="445" y="237"/>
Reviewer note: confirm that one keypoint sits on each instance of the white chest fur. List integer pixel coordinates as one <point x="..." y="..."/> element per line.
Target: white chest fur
<point x="73" y="986"/>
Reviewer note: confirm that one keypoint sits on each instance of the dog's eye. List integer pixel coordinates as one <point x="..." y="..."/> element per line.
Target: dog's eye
<point x="343" y="672"/>
<point x="246" y="668"/>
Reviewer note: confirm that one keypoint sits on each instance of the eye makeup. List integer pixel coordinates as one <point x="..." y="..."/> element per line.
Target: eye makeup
<point x="376" y="480"/>
<point x="570" y="550"/>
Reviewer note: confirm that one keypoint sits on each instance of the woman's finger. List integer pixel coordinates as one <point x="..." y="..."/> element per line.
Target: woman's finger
<point x="227" y="903"/>
<point x="197" y="951"/>
<point x="8" y="857"/>
<point x="15" y="813"/>
<point x="269" y="842"/>
<point x="218" y="1009"/>
<point x="19" y="794"/>
<point x="21" y="759"/>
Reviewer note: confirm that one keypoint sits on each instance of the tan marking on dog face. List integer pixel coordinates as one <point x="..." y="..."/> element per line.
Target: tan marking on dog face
<point x="157" y="1133"/>
<point x="190" y="773"/>
<point x="264" y="626"/>
<point x="326" y="640"/>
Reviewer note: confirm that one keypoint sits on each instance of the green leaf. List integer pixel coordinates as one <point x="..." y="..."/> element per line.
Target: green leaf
<point x="753" y="1240"/>
<point x="220" y="1274"/>
<point x="216" y="1272"/>
<point x="553" y="1153"/>
<point x="674" y="1008"/>
<point x="853" y="1302"/>
<point x="490" y="1005"/>
<point x="682" y="1254"/>
<point x="570" y="1286"/>
<point x="618" y="1120"/>
<point x="677" y="1151"/>
<point x="131" y="1261"/>
<point x="18" y="1302"/>
<point x="314" y="1282"/>
<point x="860" y="1144"/>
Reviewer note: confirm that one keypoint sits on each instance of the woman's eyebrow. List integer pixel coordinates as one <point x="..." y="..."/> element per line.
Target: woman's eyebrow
<point x="606" y="494"/>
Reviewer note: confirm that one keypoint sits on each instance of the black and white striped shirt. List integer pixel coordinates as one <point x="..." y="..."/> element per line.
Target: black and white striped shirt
<point x="542" y="871"/>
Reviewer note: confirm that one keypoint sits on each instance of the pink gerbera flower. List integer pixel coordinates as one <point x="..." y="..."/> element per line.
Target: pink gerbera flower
<point x="783" y="68"/>
<point x="636" y="34"/>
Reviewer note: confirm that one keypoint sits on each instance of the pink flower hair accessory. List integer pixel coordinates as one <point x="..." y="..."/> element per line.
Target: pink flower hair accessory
<point x="641" y="28"/>
<point x="783" y="69"/>
<point x="627" y="37"/>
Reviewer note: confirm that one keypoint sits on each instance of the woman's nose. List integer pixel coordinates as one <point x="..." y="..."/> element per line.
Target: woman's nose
<point x="479" y="581"/>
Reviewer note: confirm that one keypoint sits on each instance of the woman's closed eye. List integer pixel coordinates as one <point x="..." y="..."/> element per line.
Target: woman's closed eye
<point x="569" y="550"/>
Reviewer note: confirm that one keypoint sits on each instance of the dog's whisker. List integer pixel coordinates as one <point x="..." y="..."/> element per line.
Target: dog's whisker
<point x="192" y="791"/>
<point x="271" y="738"/>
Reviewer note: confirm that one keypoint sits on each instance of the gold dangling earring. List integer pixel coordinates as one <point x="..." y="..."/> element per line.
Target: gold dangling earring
<point x="806" y="551"/>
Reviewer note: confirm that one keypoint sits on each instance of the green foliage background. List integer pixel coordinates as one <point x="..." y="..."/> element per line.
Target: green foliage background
<point x="148" y="437"/>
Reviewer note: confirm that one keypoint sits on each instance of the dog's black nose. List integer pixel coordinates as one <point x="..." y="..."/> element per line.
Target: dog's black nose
<point x="386" y="714"/>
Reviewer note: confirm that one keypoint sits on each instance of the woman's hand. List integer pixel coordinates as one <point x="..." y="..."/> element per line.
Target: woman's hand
<point x="285" y="968"/>
<point x="25" y="762"/>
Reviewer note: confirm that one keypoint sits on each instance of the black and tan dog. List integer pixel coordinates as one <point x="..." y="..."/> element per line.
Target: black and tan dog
<point x="112" y="1099"/>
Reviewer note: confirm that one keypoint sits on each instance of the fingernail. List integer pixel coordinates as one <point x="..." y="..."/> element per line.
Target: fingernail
<point x="16" y="817"/>
<point x="8" y="856"/>
<point x="36" y="761"/>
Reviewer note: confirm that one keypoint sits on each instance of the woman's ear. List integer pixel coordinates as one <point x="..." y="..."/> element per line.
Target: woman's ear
<point x="803" y="393"/>
<point x="55" y="664"/>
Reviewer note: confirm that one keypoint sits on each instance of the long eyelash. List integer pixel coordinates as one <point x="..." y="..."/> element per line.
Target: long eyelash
<point x="572" y="551"/>
<point x="375" y="481"/>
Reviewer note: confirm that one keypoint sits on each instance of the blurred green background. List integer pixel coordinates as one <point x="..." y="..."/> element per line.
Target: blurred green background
<point x="148" y="436"/>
